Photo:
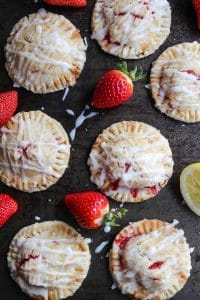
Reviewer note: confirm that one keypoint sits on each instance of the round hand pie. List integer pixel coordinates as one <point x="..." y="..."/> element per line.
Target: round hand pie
<point x="150" y="260"/>
<point x="34" y="151"/>
<point x="175" y="82"/>
<point x="130" y="161"/>
<point x="131" y="29"/>
<point x="44" y="53"/>
<point x="49" y="260"/>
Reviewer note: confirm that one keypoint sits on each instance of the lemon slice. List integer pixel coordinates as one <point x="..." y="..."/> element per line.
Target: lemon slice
<point x="190" y="186"/>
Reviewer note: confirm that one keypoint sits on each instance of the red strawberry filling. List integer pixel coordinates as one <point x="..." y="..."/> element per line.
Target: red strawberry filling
<point x="26" y="259"/>
<point x="23" y="151"/>
<point x="115" y="184"/>
<point x="137" y="16"/>
<point x="134" y="192"/>
<point x="107" y="38"/>
<point x="153" y="190"/>
<point x="122" y="241"/>
<point x="156" y="265"/>
<point x="121" y="14"/>
<point x="191" y="72"/>
<point x="127" y="167"/>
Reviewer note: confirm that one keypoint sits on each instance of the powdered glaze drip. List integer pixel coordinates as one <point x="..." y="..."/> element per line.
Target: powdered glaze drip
<point x="31" y="147"/>
<point x="160" y="254"/>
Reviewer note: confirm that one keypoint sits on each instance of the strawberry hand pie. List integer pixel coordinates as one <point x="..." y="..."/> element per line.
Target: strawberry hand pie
<point x="48" y="260"/>
<point x="175" y="82"/>
<point x="130" y="161"/>
<point x="150" y="260"/>
<point x="34" y="151"/>
<point x="131" y="29"/>
<point x="44" y="53"/>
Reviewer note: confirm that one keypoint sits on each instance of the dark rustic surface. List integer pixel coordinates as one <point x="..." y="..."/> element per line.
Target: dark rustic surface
<point x="184" y="140"/>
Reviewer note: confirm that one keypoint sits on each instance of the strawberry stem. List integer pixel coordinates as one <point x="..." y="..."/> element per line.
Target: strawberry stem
<point x="135" y="75"/>
<point x="111" y="217"/>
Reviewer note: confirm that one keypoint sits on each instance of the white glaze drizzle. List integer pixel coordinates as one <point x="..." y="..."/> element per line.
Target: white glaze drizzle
<point x="70" y="112"/>
<point x="80" y="120"/>
<point x="147" y="86"/>
<point x="65" y="94"/>
<point x="107" y="228"/>
<point x="113" y="287"/>
<point x="85" y="42"/>
<point x="101" y="246"/>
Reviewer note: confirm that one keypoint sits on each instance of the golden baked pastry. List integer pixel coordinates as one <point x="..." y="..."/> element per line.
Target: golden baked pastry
<point x="44" y="53"/>
<point x="175" y="82"/>
<point x="48" y="260"/>
<point x="34" y="151"/>
<point x="150" y="259"/>
<point x="130" y="161"/>
<point x="131" y="29"/>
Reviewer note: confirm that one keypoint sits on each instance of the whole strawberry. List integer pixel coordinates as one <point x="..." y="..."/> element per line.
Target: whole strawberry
<point x="8" y="106"/>
<point x="91" y="210"/>
<point x="8" y="207"/>
<point x="196" y="5"/>
<point x="73" y="3"/>
<point x="116" y="86"/>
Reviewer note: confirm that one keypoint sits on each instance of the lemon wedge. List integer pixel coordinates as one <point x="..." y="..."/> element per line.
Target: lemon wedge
<point x="190" y="186"/>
